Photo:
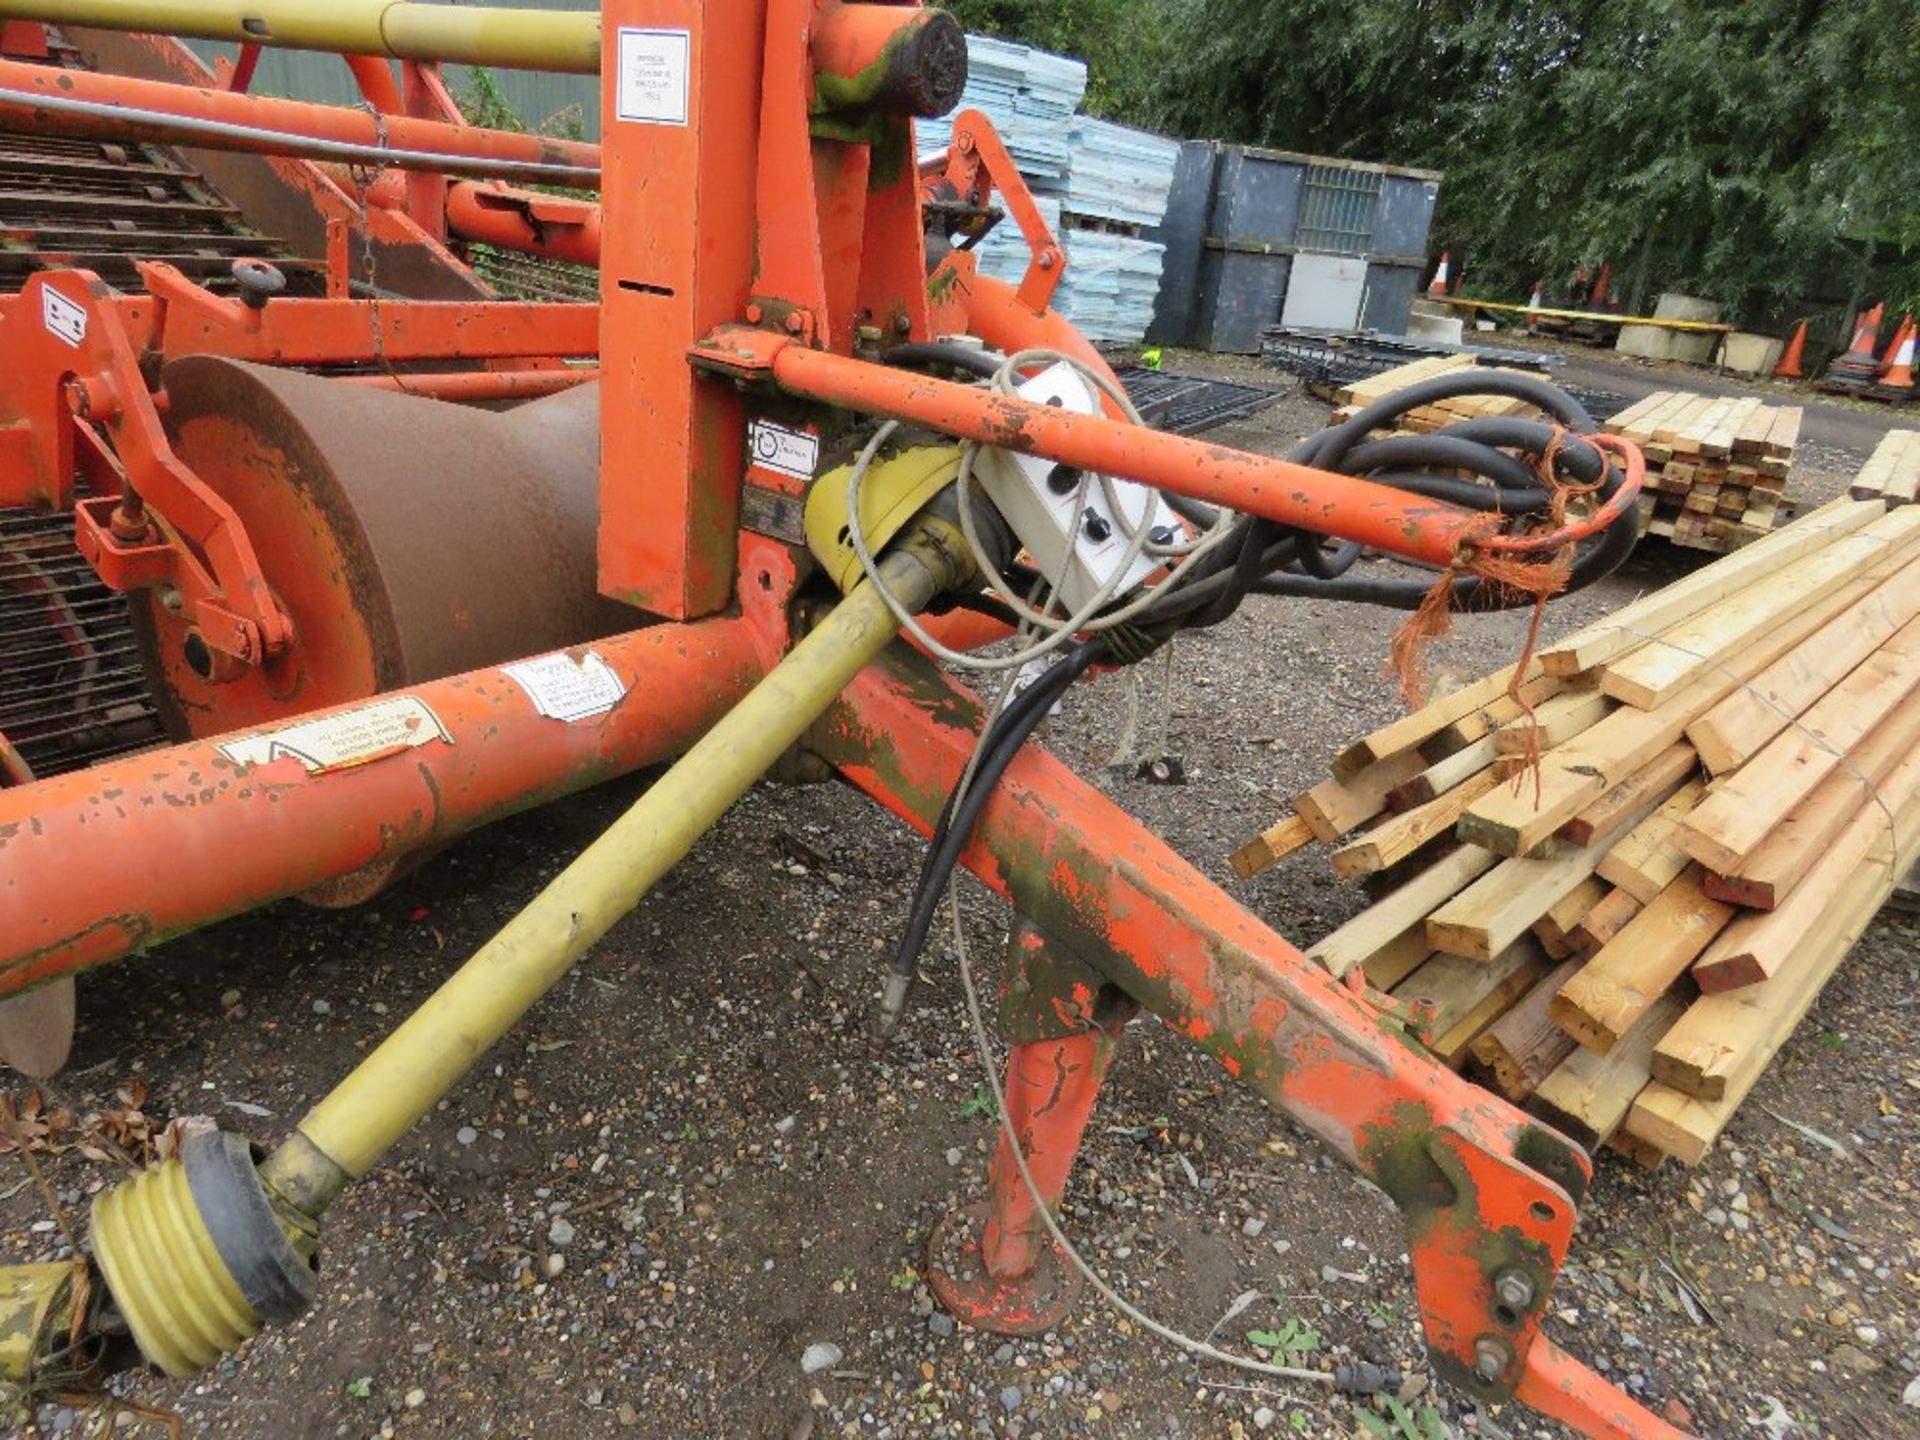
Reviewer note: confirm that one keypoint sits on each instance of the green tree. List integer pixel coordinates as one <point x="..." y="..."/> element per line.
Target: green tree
<point x="1742" y="150"/>
<point x="1750" y="150"/>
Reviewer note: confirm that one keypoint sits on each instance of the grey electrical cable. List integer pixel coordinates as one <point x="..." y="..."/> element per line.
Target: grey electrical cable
<point x="984" y="1044"/>
<point x="1058" y="629"/>
<point x="310" y="146"/>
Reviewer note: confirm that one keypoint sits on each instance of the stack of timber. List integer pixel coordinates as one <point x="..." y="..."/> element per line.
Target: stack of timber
<point x="1361" y="393"/>
<point x="1892" y="472"/>
<point x="1727" y="790"/>
<point x="1715" y="465"/>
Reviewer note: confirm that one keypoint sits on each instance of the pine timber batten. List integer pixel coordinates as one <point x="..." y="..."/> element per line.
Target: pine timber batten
<point x="1742" y="1030"/>
<point x="1399" y="836"/>
<point x="1730" y="825"/>
<point x="1588" y="1096"/>
<point x="1514" y="821"/>
<point x="1501" y="906"/>
<point x="1613" y="990"/>
<point x="1762" y="944"/>
<point x="1767" y="876"/>
<point x="1648" y="858"/>
<point x="1735" y="730"/>
<point x="1410" y="905"/>
<point x="1604" y="639"/>
<point x="1334" y="807"/>
<point x="1657" y="670"/>
<point x="1524" y="1046"/>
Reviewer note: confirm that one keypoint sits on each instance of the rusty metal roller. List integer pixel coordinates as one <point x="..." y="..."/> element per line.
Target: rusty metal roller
<point x="407" y="538"/>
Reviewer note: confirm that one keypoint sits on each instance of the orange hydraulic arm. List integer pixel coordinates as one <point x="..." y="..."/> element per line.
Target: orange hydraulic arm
<point x="765" y="241"/>
<point x="78" y="102"/>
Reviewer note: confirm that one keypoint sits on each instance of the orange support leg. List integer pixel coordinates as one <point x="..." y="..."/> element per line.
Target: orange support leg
<point x="993" y="1264"/>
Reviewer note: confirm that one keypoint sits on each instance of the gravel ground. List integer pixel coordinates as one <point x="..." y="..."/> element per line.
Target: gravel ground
<point x="694" y="1173"/>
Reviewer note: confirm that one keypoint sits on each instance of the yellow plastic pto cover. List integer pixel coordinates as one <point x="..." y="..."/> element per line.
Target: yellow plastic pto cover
<point x="896" y="488"/>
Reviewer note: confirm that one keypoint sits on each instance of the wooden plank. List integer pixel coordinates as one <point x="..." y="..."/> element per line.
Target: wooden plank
<point x="1785" y="434"/>
<point x="1571" y="777"/>
<point x="1333" y="807"/>
<point x="1503" y="710"/>
<point x="1767" y="876"/>
<point x="1451" y="988"/>
<point x="1889" y="469"/>
<point x="1398" y="958"/>
<point x="1615" y="988"/>
<point x="1648" y="858"/>
<point x="1394" y="839"/>
<point x="1449" y="774"/>
<point x="1719" y="441"/>
<point x="1611" y="816"/>
<point x="1727" y="827"/>
<point x="1524" y="1046"/>
<point x="1556" y="927"/>
<point x="1377" y="926"/>
<point x="1904" y="485"/>
<point x="1740" y="726"/>
<point x="1658" y="670"/>
<point x="1271" y="846"/>
<point x="1664" y="608"/>
<point x="1588" y="1096"/>
<point x="1373" y="387"/>
<point x="1762" y="944"/>
<point x="1606" y="920"/>
<point x="1742" y="1031"/>
<point x="1625" y="421"/>
<point x="1429" y="720"/>
<point x="1502" y="905"/>
<point x="1751" y="437"/>
<point x="1689" y="437"/>
<point x="1679" y="422"/>
<point x="1556" y="721"/>
<point x="1453" y="1046"/>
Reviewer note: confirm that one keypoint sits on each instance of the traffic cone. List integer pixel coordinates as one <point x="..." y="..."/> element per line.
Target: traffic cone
<point x="1789" y="366"/>
<point x="1865" y="330"/>
<point x="1539" y="299"/>
<point x="1438" y="285"/>
<point x="1899" y="374"/>
<point x="1860" y="366"/>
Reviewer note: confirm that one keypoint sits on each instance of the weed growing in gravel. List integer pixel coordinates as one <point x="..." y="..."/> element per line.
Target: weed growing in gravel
<point x="1402" y="1423"/>
<point x="1296" y="1340"/>
<point x="977" y="1106"/>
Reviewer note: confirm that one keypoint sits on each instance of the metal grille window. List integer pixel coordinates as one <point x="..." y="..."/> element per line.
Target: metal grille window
<point x="1336" y="209"/>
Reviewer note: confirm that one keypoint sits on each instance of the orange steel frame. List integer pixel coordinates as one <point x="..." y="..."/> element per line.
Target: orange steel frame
<point x="758" y="252"/>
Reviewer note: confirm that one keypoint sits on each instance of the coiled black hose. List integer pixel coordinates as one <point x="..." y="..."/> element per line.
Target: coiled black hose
<point x="1270" y="559"/>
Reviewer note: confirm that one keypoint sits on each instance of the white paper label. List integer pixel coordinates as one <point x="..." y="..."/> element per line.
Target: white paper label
<point x="654" y="65"/>
<point x="566" y="688"/>
<point x="352" y="737"/>
<point x="775" y="447"/>
<point x="62" y="317"/>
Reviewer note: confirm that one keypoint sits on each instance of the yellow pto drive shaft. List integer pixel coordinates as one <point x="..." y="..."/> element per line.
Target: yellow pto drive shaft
<point x="467" y="34"/>
<point x="200" y="1253"/>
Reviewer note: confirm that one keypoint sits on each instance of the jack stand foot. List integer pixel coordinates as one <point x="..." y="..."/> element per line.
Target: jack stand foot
<point x="1028" y="1304"/>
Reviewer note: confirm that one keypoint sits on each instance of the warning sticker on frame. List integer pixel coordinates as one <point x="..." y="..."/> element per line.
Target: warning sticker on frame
<point x="787" y="451"/>
<point x="565" y="688"/>
<point x="654" y="66"/>
<point x="352" y="737"/>
<point x="62" y="317"/>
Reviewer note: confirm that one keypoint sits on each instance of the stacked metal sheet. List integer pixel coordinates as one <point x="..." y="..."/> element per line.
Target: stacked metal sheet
<point x="1004" y="253"/>
<point x="1094" y="182"/>
<point x="1030" y="97"/>
<point x="1118" y="173"/>
<point x="1109" y="286"/>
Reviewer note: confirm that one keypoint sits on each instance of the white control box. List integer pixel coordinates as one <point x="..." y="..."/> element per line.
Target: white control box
<point x="1061" y="515"/>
